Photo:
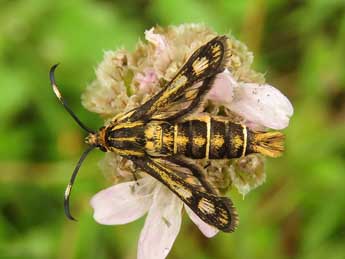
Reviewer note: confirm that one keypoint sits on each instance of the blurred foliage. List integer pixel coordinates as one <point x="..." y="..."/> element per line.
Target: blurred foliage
<point x="297" y="213"/>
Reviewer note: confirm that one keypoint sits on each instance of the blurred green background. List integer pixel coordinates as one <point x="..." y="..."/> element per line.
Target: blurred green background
<point x="298" y="213"/>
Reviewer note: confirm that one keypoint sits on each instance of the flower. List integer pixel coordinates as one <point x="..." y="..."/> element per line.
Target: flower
<point x="126" y="80"/>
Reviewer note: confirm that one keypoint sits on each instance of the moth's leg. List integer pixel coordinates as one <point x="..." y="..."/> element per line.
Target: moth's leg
<point x="135" y="174"/>
<point x="207" y="165"/>
<point x="135" y="177"/>
<point x="196" y="171"/>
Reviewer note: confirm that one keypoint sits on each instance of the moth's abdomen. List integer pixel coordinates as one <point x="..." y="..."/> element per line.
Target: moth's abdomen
<point x="210" y="138"/>
<point x="191" y="138"/>
<point x="206" y="137"/>
<point x="227" y="139"/>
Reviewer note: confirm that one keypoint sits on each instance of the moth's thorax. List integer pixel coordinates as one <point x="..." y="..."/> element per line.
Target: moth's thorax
<point x="126" y="139"/>
<point x="159" y="138"/>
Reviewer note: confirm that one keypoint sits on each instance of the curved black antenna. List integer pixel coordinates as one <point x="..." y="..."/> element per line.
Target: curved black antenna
<point x="71" y="181"/>
<point x="62" y="100"/>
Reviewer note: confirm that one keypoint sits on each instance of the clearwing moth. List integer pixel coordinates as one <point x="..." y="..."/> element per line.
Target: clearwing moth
<point x="163" y="136"/>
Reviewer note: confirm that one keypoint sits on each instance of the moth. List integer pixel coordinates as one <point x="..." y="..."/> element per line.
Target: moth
<point x="164" y="135"/>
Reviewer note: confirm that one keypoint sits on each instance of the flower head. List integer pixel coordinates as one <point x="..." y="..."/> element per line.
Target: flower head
<point x="126" y="80"/>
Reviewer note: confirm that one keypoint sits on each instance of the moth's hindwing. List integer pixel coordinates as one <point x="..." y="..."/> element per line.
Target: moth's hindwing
<point x="186" y="91"/>
<point x="212" y="209"/>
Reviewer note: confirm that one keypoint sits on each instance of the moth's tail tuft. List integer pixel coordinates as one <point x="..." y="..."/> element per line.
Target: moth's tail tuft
<point x="269" y="143"/>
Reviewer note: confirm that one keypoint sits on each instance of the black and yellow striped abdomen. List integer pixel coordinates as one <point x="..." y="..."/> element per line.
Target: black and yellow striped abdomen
<point x="210" y="137"/>
<point x="198" y="138"/>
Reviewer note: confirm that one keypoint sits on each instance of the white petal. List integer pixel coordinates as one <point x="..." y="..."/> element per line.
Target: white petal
<point x="208" y="230"/>
<point x="262" y="105"/>
<point x="124" y="202"/>
<point x="162" y="225"/>
<point x="222" y="91"/>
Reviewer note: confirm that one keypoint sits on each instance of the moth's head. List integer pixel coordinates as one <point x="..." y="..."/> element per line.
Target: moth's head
<point x="97" y="139"/>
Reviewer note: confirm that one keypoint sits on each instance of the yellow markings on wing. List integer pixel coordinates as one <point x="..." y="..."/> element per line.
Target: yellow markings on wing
<point x="206" y="206"/>
<point x="126" y="152"/>
<point x="215" y="50"/>
<point x="199" y="65"/>
<point x="178" y="82"/>
<point x="122" y="116"/>
<point x="175" y="138"/>
<point x="181" y="190"/>
<point x="128" y="125"/>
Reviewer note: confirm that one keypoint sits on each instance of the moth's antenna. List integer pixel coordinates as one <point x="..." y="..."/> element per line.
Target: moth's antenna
<point x="71" y="181"/>
<point x="62" y="100"/>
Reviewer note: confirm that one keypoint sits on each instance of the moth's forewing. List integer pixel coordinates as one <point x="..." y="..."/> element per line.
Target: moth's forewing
<point x="176" y="98"/>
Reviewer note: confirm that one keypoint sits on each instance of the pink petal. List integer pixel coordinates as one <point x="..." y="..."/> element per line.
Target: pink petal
<point x="222" y="91"/>
<point x="262" y="105"/>
<point x="208" y="230"/>
<point x="146" y="80"/>
<point x="124" y="202"/>
<point x="162" y="225"/>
